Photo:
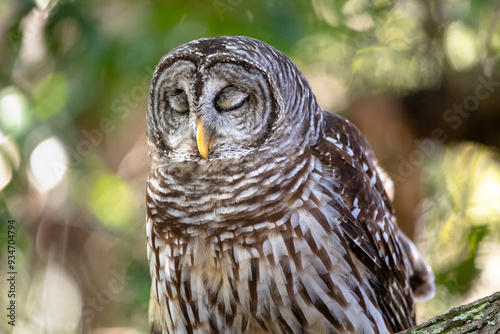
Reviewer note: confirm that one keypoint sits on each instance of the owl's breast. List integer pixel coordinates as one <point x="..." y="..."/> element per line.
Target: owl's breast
<point x="258" y="281"/>
<point x="231" y="200"/>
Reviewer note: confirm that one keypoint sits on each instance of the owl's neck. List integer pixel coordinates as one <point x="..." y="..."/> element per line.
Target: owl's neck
<point x="225" y="195"/>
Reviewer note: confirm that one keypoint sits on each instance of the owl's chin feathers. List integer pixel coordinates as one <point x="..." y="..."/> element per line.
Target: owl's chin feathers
<point x="216" y="164"/>
<point x="218" y="156"/>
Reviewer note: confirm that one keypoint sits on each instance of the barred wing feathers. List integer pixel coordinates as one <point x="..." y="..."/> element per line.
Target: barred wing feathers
<point x="368" y="218"/>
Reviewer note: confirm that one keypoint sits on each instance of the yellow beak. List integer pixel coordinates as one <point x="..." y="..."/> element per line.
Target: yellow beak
<point x="204" y="143"/>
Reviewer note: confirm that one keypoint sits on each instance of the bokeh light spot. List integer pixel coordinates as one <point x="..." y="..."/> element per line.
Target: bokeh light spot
<point x="5" y="172"/>
<point x="48" y="163"/>
<point x="54" y="300"/>
<point x="461" y="46"/>
<point x="112" y="200"/>
<point x="13" y="110"/>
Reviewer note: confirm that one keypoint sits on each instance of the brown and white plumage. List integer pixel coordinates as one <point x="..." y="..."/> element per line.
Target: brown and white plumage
<point x="266" y="214"/>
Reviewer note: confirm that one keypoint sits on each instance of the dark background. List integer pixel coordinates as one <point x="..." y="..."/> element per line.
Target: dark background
<point x="421" y="80"/>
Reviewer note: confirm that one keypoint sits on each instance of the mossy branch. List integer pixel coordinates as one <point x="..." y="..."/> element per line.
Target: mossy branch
<point x="480" y="316"/>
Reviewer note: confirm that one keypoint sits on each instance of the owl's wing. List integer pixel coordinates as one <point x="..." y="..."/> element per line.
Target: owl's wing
<point x="368" y="217"/>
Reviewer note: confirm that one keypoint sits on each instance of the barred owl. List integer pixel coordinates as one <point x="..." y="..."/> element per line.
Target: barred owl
<point x="265" y="213"/>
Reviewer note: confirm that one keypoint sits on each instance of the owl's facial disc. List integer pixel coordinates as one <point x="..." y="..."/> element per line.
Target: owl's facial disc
<point x="234" y="112"/>
<point x="226" y="112"/>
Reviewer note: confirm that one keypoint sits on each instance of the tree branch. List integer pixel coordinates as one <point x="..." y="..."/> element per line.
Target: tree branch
<point x="480" y="316"/>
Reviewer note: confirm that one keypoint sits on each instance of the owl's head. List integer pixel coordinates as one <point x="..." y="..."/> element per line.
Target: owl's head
<point x="229" y="97"/>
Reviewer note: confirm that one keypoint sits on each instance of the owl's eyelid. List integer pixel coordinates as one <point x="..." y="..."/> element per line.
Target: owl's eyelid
<point x="177" y="92"/>
<point x="181" y="112"/>
<point x="235" y="106"/>
<point x="174" y="100"/>
<point x="241" y="98"/>
<point x="232" y="88"/>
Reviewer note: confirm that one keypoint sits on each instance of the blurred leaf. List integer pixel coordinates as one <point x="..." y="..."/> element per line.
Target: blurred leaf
<point x="460" y="276"/>
<point x="50" y="95"/>
<point x="112" y="201"/>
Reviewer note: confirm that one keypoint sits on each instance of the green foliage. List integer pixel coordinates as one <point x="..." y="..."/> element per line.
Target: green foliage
<point x="462" y="219"/>
<point x="461" y="273"/>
